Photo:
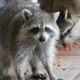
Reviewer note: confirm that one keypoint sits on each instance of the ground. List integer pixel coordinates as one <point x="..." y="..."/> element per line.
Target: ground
<point x="67" y="64"/>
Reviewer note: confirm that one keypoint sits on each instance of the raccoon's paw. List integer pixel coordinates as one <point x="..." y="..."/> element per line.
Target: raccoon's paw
<point x="4" y="77"/>
<point x="39" y="76"/>
<point x="59" y="79"/>
<point x="7" y="77"/>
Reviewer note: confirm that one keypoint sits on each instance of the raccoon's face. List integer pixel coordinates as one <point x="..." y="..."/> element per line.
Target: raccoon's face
<point x="64" y="35"/>
<point x="72" y="34"/>
<point x="41" y="32"/>
<point x="40" y="27"/>
<point x="65" y="29"/>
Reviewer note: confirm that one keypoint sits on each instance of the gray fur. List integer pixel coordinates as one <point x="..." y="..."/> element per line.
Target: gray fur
<point x="73" y="35"/>
<point x="69" y="27"/>
<point x="65" y="24"/>
<point x="19" y="47"/>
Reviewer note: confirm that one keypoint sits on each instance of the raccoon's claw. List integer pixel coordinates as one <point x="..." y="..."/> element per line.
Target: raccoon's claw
<point x="5" y="78"/>
<point x="39" y="76"/>
<point x="42" y="76"/>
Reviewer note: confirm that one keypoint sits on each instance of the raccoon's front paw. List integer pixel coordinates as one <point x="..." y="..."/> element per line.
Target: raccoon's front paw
<point x="59" y="79"/>
<point x="6" y="77"/>
<point x="39" y="76"/>
<point x="54" y="78"/>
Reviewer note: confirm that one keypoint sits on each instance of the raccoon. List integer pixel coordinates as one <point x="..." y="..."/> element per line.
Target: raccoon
<point x="69" y="27"/>
<point x="73" y="34"/>
<point x="27" y="35"/>
<point x="65" y="24"/>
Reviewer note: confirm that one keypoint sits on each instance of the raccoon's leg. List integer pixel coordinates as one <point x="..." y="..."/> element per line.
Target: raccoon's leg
<point x="36" y="75"/>
<point x="33" y="64"/>
<point x="33" y="67"/>
<point x="48" y="64"/>
<point x="20" y="69"/>
<point x="4" y="75"/>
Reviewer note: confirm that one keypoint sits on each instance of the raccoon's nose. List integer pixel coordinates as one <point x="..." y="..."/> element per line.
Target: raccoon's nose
<point x="42" y="39"/>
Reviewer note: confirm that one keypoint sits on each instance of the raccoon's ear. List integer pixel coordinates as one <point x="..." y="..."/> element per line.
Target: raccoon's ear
<point x="27" y="14"/>
<point x="55" y="16"/>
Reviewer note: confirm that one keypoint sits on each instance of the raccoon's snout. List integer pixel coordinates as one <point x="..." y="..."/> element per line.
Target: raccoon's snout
<point x="42" y="39"/>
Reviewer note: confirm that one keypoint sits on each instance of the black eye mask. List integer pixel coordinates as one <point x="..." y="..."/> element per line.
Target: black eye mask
<point x="48" y="30"/>
<point x="67" y="32"/>
<point x="34" y="30"/>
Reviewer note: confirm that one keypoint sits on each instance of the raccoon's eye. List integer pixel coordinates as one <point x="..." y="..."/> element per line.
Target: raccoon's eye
<point x="34" y="30"/>
<point x="48" y="30"/>
<point x="68" y="31"/>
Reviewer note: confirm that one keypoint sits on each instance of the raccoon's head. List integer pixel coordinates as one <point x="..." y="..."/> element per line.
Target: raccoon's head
<point x="64" y="34"/>
<point x="72" y="34"/>
<point x="39" y="26"/>
<point x="65" y="24"/>
<point x="67" y="27"/>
